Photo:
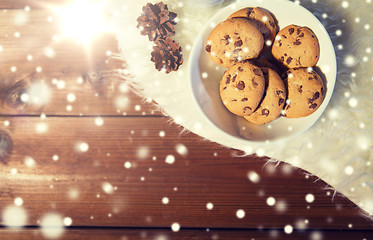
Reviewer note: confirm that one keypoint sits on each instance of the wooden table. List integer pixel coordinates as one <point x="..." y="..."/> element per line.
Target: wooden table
<point x="108" y="165"/>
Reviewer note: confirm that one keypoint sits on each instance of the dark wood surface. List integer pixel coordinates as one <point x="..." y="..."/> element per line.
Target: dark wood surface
<point x="135" y="134"/>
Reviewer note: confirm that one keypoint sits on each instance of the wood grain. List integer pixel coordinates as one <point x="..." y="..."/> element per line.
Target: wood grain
<point x="208" y="173"/>
<point x="185" y="234"/>
<point x="62" y="67"/>
<point x="118" y="188"/>
<point x="33" y="4"/>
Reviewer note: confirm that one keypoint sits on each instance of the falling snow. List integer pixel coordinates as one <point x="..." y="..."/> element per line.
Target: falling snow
<point x="181" y="149"/>
<point x="170" y="159"/>
<point x="143" y="152"/>
<point x="209" y="206"/>
<point x="253" y="177"/>
<point x="52" y="225"/>
<point x="127" y="164"/>
<point x="81" y="147"/>
<point x="107" y="188"/>
<point x="310" y="198"/>
<point x="73" y="193"/>
<point x="67" y="221"/>
<point x="14" y="216"/>
<point x="175" y="227"/>
<point x="18" y="201"/>
<point x="288" y="229"/>
<point x="29" y="162"/>
<point x="41" y="128"/>
<point x="271" y="201"/>
<point x="165" y="200"/>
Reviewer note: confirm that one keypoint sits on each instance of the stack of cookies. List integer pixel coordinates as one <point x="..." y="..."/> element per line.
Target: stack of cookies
<point x="249" y="44"/>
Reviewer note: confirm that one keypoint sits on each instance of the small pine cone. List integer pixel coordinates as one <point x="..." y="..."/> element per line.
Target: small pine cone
<point x="156" y="21"/>
<point x="167" y="54"/>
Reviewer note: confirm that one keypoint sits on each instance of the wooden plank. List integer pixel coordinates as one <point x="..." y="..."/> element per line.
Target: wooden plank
<point x="33" y="4"/>
<point x="184" y="234"/>
<point x="30" y="58"/>
<point x="94" y="187"/>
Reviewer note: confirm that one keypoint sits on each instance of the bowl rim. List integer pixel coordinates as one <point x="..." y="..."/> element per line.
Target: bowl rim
<point x="238" y="5"/>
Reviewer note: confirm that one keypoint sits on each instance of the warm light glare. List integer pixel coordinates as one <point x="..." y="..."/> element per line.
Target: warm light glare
<point x="82" y="20"/>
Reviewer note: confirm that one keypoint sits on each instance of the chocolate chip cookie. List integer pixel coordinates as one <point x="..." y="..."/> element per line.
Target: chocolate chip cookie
<point x="234" y="40"/>
<point x="263" y="20"/>
<point x="242" y="88"/>
<point x="274" y="99"/>
<point x="296" y="46"/>
<point x="306" y="92"/>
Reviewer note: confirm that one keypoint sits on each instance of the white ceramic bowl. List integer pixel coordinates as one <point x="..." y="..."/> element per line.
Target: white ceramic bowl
<point x="204" y="76"/>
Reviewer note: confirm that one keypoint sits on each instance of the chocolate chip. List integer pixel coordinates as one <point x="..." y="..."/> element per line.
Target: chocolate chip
<point x="244" y="99"/>
<point x="280" y="44"/>
<point x="313" y="36"/>
<point x="228" y="79"/>
<point x="282" y="59"/>
<point x="257" y="72"/>
<point x="297" y="42"/>
<point x="310" y="78"/>
<point x="208" y="48"/>
<point x="234" y="78"/>
<point x="279" y="92"/>
<point x="237" y="50"/>
<point x="238" y="43"/>
<point x="313" y="106"/>
<point x="226" y="39"/>
<point x="300" y="89"/>
<point x="255" y="84"/>
<point x="322" y="91"/>
<point x="247" y="109"/>
<point x="241" y="85"/>
<point x="281" y="101"/>
<point x="302" y="35"/>
<point x="224" y="88"/>
<point x="283" y="36"/>
<point x="287" y="107"/>
<point x="291" y="31"/>
<point x="298" y="31"/>
<point x="316" y="96"/>
<point x="285" y="54"/>
<point x="234" y="100"/>
<point x="240" y="69"/>
<point x="272" y="24"/>
<point x="288" y="61"/>
<point x="265" y="112"/>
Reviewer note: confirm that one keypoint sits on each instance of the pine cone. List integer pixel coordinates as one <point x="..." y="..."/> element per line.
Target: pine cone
<point x="156" y="21"/>
<point x="167" y="54"/>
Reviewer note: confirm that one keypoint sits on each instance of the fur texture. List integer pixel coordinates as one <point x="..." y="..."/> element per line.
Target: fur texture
<point x="338" y="148"/>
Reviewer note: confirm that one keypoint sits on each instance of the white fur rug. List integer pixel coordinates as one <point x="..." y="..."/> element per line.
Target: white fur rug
<point x="337" y="149"/>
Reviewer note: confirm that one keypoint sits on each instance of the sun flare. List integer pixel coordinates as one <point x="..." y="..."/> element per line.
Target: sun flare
<point x="82" y="20"/>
